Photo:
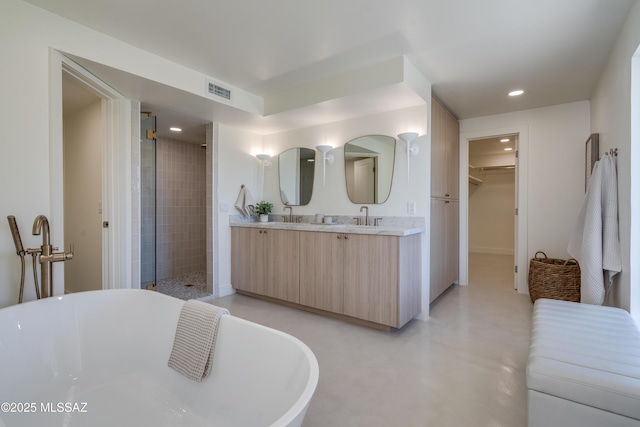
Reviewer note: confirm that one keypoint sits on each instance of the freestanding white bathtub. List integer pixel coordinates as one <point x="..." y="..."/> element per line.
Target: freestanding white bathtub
<point x="100" y="359"/>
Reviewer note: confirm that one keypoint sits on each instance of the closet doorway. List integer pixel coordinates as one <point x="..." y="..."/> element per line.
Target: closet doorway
<point x="492" y="209"/>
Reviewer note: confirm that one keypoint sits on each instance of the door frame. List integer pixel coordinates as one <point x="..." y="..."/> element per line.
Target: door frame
<point x="520" y="248"/>
<point x="116" y="171"/>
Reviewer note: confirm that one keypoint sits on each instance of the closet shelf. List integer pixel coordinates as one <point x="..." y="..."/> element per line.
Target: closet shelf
<point x="493" y="168"/>
<point x="475" y="181"/>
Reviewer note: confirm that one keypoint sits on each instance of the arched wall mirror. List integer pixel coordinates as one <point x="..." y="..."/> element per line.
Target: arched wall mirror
<point x="295" y="172"/>
<point x="368" y="167"/>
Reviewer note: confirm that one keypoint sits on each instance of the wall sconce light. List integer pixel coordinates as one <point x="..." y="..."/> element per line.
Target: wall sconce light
<point x="263" y="158"/>
<point x="412" y="150"/>
<point x="265" y="163"/>
<point x="326" y="158"/>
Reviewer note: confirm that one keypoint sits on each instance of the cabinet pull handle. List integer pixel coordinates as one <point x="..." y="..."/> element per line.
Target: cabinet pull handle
<point x="346" y="237"/>
<point x="446" y="195"/>
<point x="259" y="231"/>
<point x="339" y="236"/>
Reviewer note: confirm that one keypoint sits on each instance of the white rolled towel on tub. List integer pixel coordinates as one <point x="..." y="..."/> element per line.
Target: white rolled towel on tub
<point x="195" y="339"/>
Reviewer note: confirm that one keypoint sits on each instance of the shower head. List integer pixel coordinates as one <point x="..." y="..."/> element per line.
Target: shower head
<point x="15" y="234"/>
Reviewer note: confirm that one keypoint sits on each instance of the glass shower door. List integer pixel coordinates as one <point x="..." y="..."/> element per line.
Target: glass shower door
<point x="148" y="201"/>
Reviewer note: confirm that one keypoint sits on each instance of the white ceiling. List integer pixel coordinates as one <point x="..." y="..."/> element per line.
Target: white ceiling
<point x="473" y="51"/>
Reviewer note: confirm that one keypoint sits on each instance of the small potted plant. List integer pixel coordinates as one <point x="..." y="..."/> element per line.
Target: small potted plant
<point x="263" y="209"/>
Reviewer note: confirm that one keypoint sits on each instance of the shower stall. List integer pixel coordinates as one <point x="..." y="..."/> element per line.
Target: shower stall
<point x="173" y="214"/>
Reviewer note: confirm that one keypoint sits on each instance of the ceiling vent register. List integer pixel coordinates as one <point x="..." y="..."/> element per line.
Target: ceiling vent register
<point x="218" y="91"/>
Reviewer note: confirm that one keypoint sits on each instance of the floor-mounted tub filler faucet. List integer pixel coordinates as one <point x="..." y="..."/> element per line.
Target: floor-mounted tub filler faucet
<point x="47" y="256"/>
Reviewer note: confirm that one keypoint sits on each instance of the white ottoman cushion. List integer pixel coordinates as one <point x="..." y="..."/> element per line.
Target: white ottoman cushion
<point x="586" y="354"/>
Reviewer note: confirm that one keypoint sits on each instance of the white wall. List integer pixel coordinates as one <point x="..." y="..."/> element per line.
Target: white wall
<point x="83" y="195"/>
<point x="555" y="163"/>
<point x="612" y="117"/>
<point x="236" y="166"/>
<point x="491" y="213"/>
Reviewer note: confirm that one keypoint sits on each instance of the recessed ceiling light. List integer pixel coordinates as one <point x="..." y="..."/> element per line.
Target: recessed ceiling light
<point x="504" y="140"/>
<point x="516" y="92"/>
<point x="508" y="149"/>
<point x="174" y="129"/>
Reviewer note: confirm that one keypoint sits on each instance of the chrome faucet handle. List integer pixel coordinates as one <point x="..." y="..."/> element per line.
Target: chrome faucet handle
<point x="376" y="221"/>
<point x="358" y="220"/>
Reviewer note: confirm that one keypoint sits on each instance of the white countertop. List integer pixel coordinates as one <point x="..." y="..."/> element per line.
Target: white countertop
<point x="382" y="230"/>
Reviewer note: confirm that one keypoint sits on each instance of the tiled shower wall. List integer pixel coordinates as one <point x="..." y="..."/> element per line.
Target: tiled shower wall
<point x="181" y="208"/>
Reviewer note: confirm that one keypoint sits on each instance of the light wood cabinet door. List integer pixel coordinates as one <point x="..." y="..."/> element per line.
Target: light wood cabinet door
<point x="321" y="271"/>
<point x="265" y="262"/>
<point x="438" y="149"/>
<point x="247" y="259"/>
<point x="371" y="278"/>
<point x="452" y="138"/>
<point x="444" y="245"/>
<point x="437" y="276"/>
<point x="281" y="266"/>
<point x="452" y="243"/>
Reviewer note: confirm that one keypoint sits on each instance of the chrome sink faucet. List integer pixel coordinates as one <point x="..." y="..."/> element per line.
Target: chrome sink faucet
<point x="47" y="256"/>
<point x="366" y="216"/>
<point x="290" y="213"/>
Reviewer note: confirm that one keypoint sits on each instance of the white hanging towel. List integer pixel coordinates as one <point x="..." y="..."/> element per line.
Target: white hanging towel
<point x="595" y="241"/>
<point x="244" y="202"/>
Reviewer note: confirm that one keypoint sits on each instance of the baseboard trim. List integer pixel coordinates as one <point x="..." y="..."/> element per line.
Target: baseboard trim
<point x="225" y="290"/>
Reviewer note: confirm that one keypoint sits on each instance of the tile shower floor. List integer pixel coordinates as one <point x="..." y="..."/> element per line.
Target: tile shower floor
<point x="465" y="366"/>
<point x="185" y="287"/>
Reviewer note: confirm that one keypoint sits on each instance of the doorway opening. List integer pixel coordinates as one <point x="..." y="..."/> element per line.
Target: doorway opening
<point x="519" y="270"/>
<point x="82" y="183"/>
<point x="173" y="206"/>
<point x="492" y="210"/>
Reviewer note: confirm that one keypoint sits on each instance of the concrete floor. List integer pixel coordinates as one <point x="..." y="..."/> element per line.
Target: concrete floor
<point x="465" y="366"/>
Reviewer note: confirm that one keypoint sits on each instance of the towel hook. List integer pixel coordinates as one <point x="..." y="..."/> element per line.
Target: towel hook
<point x="613" y="152"/>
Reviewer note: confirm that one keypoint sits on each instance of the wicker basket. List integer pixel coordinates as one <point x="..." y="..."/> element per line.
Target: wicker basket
<point x="554" y="278"/>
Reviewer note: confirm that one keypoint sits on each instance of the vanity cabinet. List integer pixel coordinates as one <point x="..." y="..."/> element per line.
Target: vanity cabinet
<point x="445" y="204"/>
<point x="266" y="262"/>
<point x="364" y="276"/>
<point x="375" y="279"/>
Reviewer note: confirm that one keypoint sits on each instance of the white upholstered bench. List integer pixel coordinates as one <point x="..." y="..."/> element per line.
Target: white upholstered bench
<point x="584" y="366"/>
